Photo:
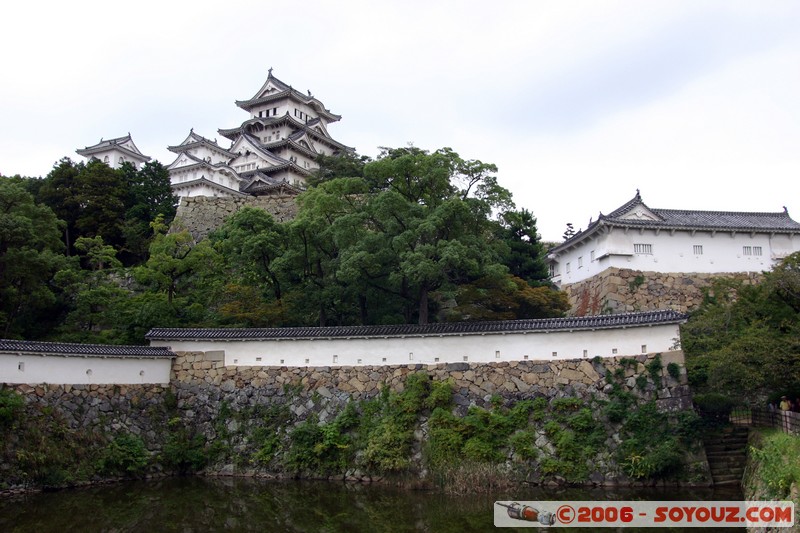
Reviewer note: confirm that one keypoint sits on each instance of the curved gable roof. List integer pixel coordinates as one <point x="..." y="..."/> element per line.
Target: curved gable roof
<point x="636" y="214"/>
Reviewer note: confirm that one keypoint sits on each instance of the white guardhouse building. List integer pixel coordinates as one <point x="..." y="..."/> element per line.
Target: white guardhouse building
<point x="273" y="151"/>
<point x="35" y="362"/>
<point x="115" y="152"/>
<point x="483" y="342"/>
<point x="641" y="238"/>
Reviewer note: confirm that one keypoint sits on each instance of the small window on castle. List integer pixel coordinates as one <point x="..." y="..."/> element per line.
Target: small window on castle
<point x="525" y="357"/>
<point x="747" y="250"/>
<point x="105" y="159"/>
<point x="552" y="269"/>
<point x="591" y="255"/>
<point x="258" y="359"/>
<point x="274" y="111"/>
<point x="555" y="354"/>
<point x="335" y="358"/>
<point x="307" y="360"/>
<point x="643" y="249"/>
<point x="756" y="250"/>
<point x="235" y="361"/>
<point x="435" y="359"/>
<point x="497" y="354"/>
<point x="586" y="353"/>
<point x="21" y="366"/>
<point x="580" y="262"/>
<point x="120" y="161"/>
<point x="644" y="348"/>
<point x="698" y="249"/>
<point x="569" y="268"/>
<point x="281" y="361"/>
<point x="466" y="358"/>
<point x="614" y="351"/>
<point x="359" y="361"/>
<point x="410" y="356"/>
<point x="383" y="360"/>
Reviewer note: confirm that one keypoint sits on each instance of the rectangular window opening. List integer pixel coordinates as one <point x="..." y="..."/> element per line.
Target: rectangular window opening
<point x="614" y="351"/>
<point x="21" y="367"/>
<point x="410" y="356"/>
<point x="643" y="249"/>
<point x="258" y="359"/>
<point x="756" y="250"/>
<point x="644" y="348"/>
<point x="698" y="249"/>
<point x="335" y="358"/>
<point x="586" y="353"/>
<point x="497" y="354"/>
<point x="435" y="359"/>
<point x="466" y="358"/>
<point x="525" y="357"/>
<point x="555" y="354"/>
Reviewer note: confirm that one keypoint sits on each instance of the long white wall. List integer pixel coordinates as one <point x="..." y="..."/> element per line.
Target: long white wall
<point x="55" y="369"/>
<point x="538" y="346"/>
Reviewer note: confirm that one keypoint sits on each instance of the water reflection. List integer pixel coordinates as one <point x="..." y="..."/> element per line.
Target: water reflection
<point x="226" y="504"/>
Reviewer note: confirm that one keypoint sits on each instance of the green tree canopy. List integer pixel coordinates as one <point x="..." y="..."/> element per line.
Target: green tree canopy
<point x="30" y="254"/>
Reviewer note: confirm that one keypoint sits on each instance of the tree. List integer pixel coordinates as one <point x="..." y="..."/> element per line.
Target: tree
<point x="60" y="192"/>
<point x="569" y="232"/>
<point x="30" y="254"/>
<point x="524" y="254"/>
<point x="744" y="340"/>
<point x="149" y="195"/>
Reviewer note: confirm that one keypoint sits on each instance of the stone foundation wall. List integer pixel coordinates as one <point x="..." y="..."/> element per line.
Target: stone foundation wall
<point x="202" y="215"/>
<point x="201" y="384"/>
<point x="618" y="290"/>
<point x="219" y="402"/>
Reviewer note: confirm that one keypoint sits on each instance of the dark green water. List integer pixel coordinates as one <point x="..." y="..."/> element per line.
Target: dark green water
<point x="224" y="504"/>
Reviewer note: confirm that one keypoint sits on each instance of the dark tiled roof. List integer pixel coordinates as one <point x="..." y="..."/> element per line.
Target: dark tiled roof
<point x="648" y="318"/>
<point x="720" y="220"/>
<point x="117" y="143"/>
<point x="684" y="219"/>
<point x="81" y="350"/>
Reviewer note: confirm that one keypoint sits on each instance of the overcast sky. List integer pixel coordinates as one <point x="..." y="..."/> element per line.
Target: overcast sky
<point x="578" y="103"/>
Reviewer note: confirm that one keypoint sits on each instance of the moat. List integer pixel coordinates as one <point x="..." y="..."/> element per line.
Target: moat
<point x="192" y="504"/>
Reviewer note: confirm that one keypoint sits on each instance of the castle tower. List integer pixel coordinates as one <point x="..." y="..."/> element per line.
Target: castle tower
<point x="114" y="152"/>
<point x="275" y="150"/>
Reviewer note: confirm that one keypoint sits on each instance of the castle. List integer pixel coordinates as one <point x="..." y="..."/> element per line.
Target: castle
<point x="272" y="152"/>
<point x="638" y="257"/>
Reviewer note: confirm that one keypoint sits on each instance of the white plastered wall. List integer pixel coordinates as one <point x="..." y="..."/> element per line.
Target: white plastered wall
<point x="539" y="346"/>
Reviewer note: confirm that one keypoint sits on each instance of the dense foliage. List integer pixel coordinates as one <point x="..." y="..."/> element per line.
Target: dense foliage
<point x="414" y="236"/>
<point x="744" y="340"/>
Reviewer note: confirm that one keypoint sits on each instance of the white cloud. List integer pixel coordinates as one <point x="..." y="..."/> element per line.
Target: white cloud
<point x="578" y="103"/>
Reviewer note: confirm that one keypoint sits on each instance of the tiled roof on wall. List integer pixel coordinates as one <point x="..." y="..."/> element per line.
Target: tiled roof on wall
<point x="81" y="350"/>
<point x="647" y="318"/>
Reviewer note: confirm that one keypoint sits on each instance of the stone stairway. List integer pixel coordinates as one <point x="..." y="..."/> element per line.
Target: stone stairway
<point x="726" y="451"/>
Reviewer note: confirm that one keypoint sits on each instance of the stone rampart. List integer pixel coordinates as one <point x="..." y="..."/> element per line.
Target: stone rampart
<point x="202" y="214"/>
<point x="220" y="402"/>
<point x="618" y="290"/>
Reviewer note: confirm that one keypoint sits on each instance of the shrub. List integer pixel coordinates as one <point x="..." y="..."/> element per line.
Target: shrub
<point x="714" y="407"/>
<point x="11" y="405"/>
<point x="124" y="455"/>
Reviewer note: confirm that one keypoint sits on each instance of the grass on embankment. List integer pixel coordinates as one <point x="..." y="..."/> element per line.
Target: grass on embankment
<point x="773" y="469"/>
